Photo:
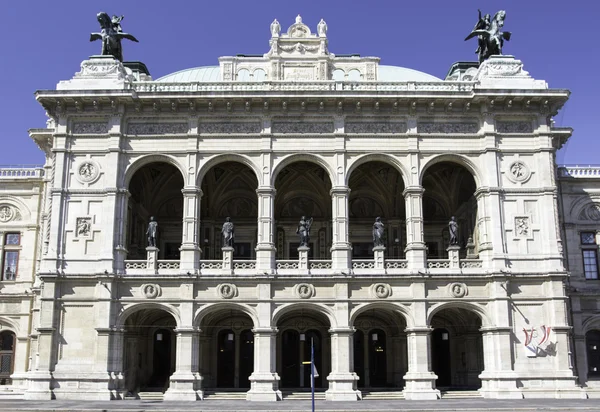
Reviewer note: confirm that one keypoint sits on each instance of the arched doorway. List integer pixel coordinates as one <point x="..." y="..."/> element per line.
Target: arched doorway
<point x="592" y="341"/>
<point x="155" y="192"/>
<point x="7" y="356"/>
<point x="457" y="349"/>
<point x="303" y="190"/>
<point x="449" y="191"/>
<point x="376" y="191"/>
<point x="380" y="349"/>
<point x="227" y="352"/>
<point x="229" y="190"/>
<point x="298" y="331"/>
<point x="150" y="345"/>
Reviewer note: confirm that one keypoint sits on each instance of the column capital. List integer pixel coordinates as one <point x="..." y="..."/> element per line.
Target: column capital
<point x="413" y="190"/>
<point x="266" y="190"/>
<point x="265" y="330"/>
<point x="419" y="330"/>
<point x="192" y="190"/>
<point x="342" y="331"/>
<point x="339" y="190"/>
<point x="186" y="330"/>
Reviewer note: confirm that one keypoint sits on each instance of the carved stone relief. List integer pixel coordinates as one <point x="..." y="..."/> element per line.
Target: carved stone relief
<point x="373" y="127"/>
<point x="514" y="127"/>
<point x="590" y="212"/>
<point x="518" y="171"/>
<point x="157" y="128"/>
<point x="457" y="290"/>
<point x="90" y="128"/>
<point x="458" y="128"/>
<point x="151" y="291"/>
<point x="302" y="127"/>
<point x="87" y="171"/>
<point x="305" y="290"/>
<point x="83" y="227"/>
<point x="227" y="290"/>
<point x="523" y="227"/>
<point x="8" y="213"/>
<point x="231" y="128"/>
<point x="381" y="290"/>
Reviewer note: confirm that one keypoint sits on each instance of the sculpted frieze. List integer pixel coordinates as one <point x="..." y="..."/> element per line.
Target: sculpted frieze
<point x="230" y="127"/>
<point x="157" y="128"/>
<point x="375" y="127"/>
<point x="514" y="127"/>
<point x="90" y="128"/>
<point x="302" y="127"/>
<point x="448" y="128"/>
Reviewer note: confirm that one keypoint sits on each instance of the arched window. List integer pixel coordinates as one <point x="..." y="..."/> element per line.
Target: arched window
<point x="7" y="356"/>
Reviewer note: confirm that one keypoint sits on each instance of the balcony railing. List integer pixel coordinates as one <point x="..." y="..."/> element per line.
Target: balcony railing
<point x="21" y="172"/>
<point x="579" y="171"/>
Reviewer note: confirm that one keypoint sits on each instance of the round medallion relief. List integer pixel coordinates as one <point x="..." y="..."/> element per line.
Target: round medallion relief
<point x="518" y="171"/>
<point x="305" y="290"/>
<point x="6" y="213"/>
<point x="381" y="290"/>
<point x="457" y="290"/>
<point x="227" y="290"/>
<point x="88" y="171"/>
<point x="151" y="291"/>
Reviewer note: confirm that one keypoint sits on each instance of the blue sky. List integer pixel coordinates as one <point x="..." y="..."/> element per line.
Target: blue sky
<point x="45" y="41"/>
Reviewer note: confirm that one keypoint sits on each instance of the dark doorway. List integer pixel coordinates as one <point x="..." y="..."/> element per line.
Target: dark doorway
<point x="161" y="359"/>
<point x="226" y="359"/>
<point x="290" y="350"/>
<point x="7" y="356"/>
<point x="440" y="357"/>
<point x="592" y="340"/>
<point x="377" y="358"/>
<point x="359" y="357"/>
<point x="246" y="357"/>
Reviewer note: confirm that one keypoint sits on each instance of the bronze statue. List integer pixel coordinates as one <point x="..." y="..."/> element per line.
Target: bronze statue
<point x="304" y="230"/>
<point x="378" y="228"/>
<point x="151" y="232"/>
<point x="490" y="36"/>
<point x="453" y="229"/>
<point x="111" y="35"/>
<point x="228" y="232"/>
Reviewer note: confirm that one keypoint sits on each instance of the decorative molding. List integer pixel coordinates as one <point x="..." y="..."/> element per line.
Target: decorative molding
<point x="227" y="290"/>
<point x="514" y="127"/>
<point x="523" y="229"/>
<point x="304" y="290"/>
<point x="381" y="290"/>
<point x="103" y="67"/>
<point x="83" y="227"/>
<point x="590" y="212"/>
<point x="88" y="171"/>
<point x="90" y="128"/>
<point x="151" y="291"/>
<point x="9" y="213"/>
<point x="457" y="290"/>
<point x="375" y="127"/>
<point x="302" y="127"/>
<point x="230" y="127"/>
<point x="157" y="128"/>
<point x="447" y="128"/>
<point x="518" y="172"/>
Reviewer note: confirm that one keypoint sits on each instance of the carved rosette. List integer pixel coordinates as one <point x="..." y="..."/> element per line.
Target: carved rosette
<point x="304" y="290"/>
<point x="227" y="291"/>
<point x="151" y="290"/>
<point x="518" y="172"/>
<point x="457" y="290"/>
<point x="381" y="290"/>
<point x="87" y="171"/>
<point x="447" y="128"/>
<point x="90" y="128"/>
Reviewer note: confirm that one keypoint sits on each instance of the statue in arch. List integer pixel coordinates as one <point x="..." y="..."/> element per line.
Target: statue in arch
<point x="228" y="232"/>
<point x="152" y="231"/>
<point x="111" y="35"/>
<point x="453" y="229"/>
<point x="304" y="230"/>
<point x="378" y="229"/>
<point x="489" y="34"/>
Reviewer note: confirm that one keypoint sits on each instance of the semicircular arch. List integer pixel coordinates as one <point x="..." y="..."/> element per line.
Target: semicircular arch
<point x="302" y="157"/>
<point x="592" y="323"/>
<point x="394" y="307"/>
<point x="377" y="157"/>
<point x="292" y="307"/>
<point x="205" y="310"/>
<point x="479" y="310"/>
<point x="227" y="157"/>
<point x="453" y="158"/>
<point x="9" y="324"/>
<point x="136" y="307"/>
<point x="140" y="162"/>
<point x="17" y="204"/>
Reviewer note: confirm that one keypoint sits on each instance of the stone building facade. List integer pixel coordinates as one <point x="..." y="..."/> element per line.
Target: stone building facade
<point x="266" y="140"/>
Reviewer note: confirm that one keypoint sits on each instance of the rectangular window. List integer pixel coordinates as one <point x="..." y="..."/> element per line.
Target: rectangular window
<point x="590" y="263"/>
<point x="10" y="256"/>
<point x="588" y="238"/>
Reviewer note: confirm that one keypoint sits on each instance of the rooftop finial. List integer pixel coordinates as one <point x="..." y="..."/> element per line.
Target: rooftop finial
<point x="298" y="19"/>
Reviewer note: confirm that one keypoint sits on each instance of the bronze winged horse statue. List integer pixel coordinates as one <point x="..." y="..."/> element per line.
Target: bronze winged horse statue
<point x="490" y="35"/>
<point x="111" y="35"/>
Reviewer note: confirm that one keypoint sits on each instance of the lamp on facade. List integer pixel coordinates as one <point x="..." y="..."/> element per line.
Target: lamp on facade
<point x="230" y="336"/>
<point x="445" y="336"/>
<point x="159" y="337"/>
<point x="302" y="337"/>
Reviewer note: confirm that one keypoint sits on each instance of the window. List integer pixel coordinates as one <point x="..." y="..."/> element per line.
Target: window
<point x="590" y="254"/>
<point x="10" y="255"/>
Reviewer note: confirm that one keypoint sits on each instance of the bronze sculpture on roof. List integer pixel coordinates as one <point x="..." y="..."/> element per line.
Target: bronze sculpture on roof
<point x="489" y="34"/>
<point x="111" y="35"/>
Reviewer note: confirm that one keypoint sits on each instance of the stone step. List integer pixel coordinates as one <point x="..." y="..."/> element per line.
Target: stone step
<point x="460" y="394"/>
<point x="151" y="396"/>
<point x="225" y="394"/>
<point x="302" y="395"/>
<point x="370" y="395"/>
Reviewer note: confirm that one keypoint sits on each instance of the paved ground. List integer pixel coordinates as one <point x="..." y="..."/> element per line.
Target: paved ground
<point x="470" y="405"/>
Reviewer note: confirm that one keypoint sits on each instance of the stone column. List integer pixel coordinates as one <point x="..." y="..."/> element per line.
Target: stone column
<point x="190" y="245"/>
<point x="115" y="363"/>
<point x="265" y="244"/>
<point x="341" y="249"/>
<point x="420" y="381"/>
<point x="416" y="250"/>
<point x="120" y="240"/>
<point x="264" y="381"/>
<point x="498" y="380"/>
<point x="342" y="382"/>
<point x="182" y="383"/>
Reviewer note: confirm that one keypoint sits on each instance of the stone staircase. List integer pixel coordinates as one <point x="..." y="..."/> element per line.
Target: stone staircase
<point x="469" y="394"/>
<point x="151" y="394"/>
<point x="383" y="395"/>
<point x="8" y="392"/>
<point x="302" y="395"/>
<point x="225" y="394"/>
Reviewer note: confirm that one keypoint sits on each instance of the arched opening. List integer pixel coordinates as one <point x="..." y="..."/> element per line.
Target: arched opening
<point x="227" y="352"/>
<point x="457" y="349"/>
<point x="229" y="190"/>
<point x="380" y="350"/>
<point x="449" y="191"/>
<point x="298" y="330"/>
<point x="303" y="190"/>
<point x="155" y="192"/>
<point x="376" y="191"/>
<point x="7" y="356"/>
<point x="150" y="345"/>
<point x="592" y="341"/>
